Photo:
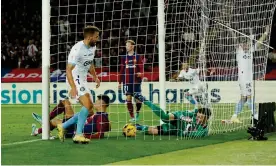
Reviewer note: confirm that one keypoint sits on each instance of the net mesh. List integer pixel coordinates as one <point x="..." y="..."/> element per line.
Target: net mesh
<point x="191" y="31"/>
<point x="201" y="33"/>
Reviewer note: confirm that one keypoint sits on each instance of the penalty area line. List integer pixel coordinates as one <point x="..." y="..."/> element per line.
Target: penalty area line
<point x="21" y="142"/>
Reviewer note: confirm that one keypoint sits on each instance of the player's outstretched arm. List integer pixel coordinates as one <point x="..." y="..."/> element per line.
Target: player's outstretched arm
<point x="154" y="108"/>
<point x="94" y="75"/>
<point x="263" y="37"/>
<point x="72" y="61"/>
<point x="140" y="65"/>
<point x="70" y="79"/>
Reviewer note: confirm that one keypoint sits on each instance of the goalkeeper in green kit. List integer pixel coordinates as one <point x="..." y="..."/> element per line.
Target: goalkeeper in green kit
<point x="184" y="123"/>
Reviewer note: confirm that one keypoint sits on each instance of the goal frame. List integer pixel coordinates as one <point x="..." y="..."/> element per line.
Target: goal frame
<point x="46" y="39"/>
<point x="161" y="54"/>
<point x="46" y="42"/>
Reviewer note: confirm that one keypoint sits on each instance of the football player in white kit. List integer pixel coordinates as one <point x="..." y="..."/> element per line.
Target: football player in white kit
<point x="244" y="55"/>
<point x="198" y="88"/>
<point x="80" y="62"/>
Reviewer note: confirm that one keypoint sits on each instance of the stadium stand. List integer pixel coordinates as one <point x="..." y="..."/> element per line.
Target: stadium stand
<point x="21" y="34"/>
<point x="21" y="45"/>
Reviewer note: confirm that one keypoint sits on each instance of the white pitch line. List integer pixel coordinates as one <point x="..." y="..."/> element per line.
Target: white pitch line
<point x="22" y="142"/>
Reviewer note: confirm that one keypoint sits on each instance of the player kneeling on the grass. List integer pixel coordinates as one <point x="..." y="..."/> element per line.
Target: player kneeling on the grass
<point x="182" y="123"/>
<point x="95" y="127"/>
<point x="198" y="88"/>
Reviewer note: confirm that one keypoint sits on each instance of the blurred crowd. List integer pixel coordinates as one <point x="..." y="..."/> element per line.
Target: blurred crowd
<point x="21" y="34"/>
<point x="121" y="20"/>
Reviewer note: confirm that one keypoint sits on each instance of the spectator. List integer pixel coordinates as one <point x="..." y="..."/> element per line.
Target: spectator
<point x="13" y="61"/>
<point x="119" y="21"/>
<point x="64" y="27"/>
<point x="32" y="50"/>
<point x="4" y="61"/>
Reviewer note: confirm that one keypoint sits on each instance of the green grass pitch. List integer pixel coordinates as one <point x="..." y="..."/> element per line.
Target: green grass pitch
<point x="16" y="127"/>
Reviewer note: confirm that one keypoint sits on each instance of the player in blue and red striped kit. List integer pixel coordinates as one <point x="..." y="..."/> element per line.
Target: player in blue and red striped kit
<point x="131" y="74"/>
<point x="95" y="126"/>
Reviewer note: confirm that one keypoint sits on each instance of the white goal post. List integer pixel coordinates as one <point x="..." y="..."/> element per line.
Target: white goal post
<point x="46" y="37"/>
<point x="161" y="52"/>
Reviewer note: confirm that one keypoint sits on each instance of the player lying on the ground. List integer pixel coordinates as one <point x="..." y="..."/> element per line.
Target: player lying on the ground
<point x="244" y="55"/>
<point x="181" y="123"/>
<point x="95" y="127"/>
<point x="198" y="89"/>
<point x="131" y="74"/>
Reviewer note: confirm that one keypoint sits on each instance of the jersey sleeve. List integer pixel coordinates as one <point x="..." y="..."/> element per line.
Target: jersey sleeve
<point x="73" y="56"/>
<point x="141" y="64"/>
<point x="190" y="74"/>
<point x="198" y="133"/>
<point x="181" y="74"/>
<point x="253" y="44"/>
<point x="194" y="72"/>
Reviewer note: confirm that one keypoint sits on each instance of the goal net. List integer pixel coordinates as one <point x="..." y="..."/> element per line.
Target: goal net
<point x="205" y="34"/>
<point x="195" y="33"/>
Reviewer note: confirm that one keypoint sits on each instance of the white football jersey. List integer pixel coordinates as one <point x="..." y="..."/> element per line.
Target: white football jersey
<point x="82" y="57"/>
<point x="192" y="75"/>
<point x="244" y="59"/>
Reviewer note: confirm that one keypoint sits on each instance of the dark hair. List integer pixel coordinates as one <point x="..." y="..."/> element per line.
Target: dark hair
<point x="104" y="98"/>
<point x="90" y="30"/>
<point x="131" y="42"/>
<point x="205" y="111"/>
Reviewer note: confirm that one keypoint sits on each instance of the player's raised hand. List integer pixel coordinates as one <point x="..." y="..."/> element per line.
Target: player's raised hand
<point x="98" y="82"/>
<point x="139" y="75"/>
<point x="73" y="92"/>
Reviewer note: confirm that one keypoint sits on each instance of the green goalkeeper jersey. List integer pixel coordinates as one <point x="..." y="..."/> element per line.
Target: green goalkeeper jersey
<point x="185" y="125"/>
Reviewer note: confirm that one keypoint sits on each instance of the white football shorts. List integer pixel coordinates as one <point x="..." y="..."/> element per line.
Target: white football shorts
<point x="245" y="88"/>
<point x="197" y="89"/>
<point x="245" y="84"/>
<point x="82" y="89"/>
